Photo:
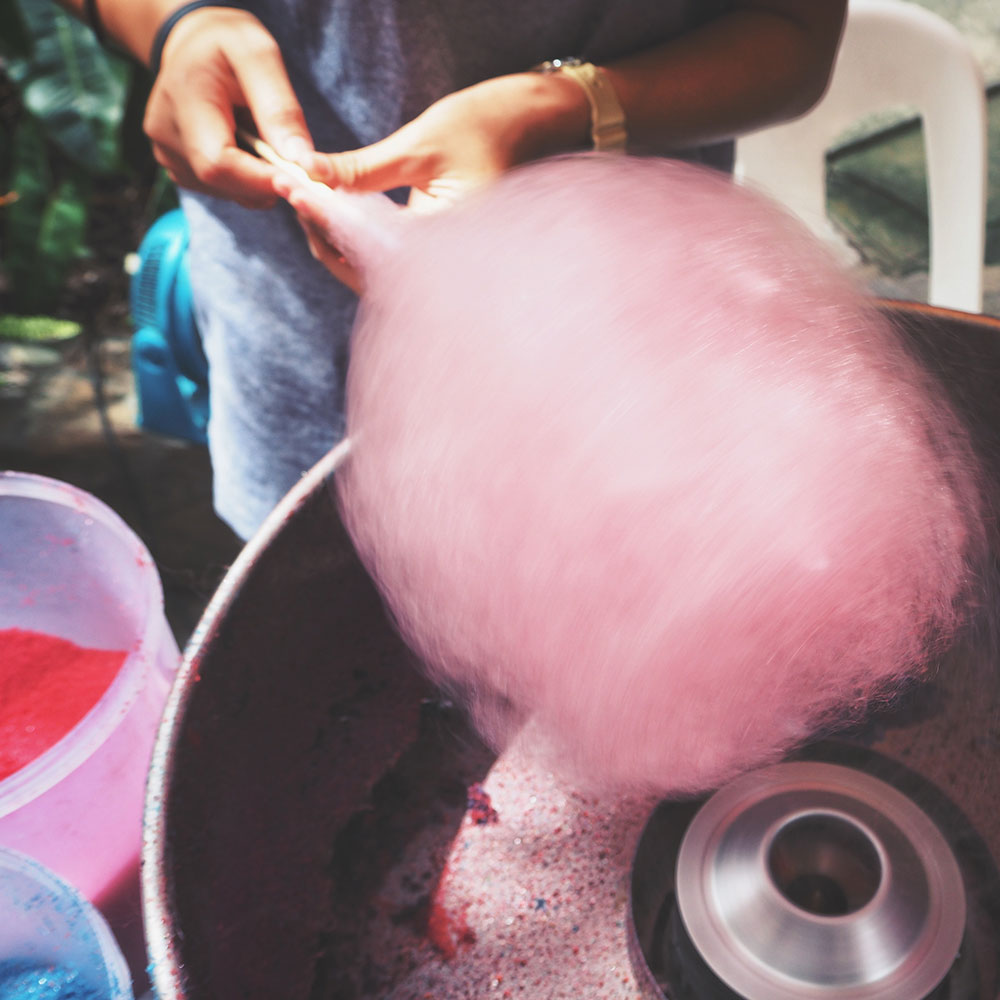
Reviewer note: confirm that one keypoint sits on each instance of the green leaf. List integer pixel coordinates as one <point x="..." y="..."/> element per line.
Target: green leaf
<point x="64" y="226"/>
<point x="71" y="85"/>
<point x="45" y="228"/>
<point x="30" y="179"/>
<point x="35" y="329"/>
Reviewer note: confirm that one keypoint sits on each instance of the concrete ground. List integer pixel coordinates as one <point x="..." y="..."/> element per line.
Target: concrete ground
<point x="50" y="421"/>
<point x="50" y="424"/>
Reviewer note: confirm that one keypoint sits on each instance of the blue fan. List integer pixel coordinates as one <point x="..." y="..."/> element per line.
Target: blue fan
<point x="171" y="371"/>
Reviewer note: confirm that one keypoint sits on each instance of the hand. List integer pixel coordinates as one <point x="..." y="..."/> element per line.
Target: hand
<point x="465" y="140"/>
<point x="217" y="63"/>
<point x="460" y="143"/>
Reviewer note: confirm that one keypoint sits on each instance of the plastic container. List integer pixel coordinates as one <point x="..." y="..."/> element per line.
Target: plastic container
<point x="70" y="567"/>
<point x="46" y="924"/>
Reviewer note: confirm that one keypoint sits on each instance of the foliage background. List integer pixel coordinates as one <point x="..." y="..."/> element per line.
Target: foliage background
<point x="78" y="182"/>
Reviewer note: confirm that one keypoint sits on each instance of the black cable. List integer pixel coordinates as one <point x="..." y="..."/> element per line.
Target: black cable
<point x="114" y="446"/>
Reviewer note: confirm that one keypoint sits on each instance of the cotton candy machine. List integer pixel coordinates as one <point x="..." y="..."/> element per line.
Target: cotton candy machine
<point x="321" y="824"/>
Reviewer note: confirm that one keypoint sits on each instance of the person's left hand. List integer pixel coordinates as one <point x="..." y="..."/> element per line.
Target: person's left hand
<point x="461" y="142"/>
<point x="466" y="139"/>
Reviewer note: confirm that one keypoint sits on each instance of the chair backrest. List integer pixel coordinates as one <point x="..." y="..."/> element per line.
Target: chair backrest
<point x="895" y="53"/>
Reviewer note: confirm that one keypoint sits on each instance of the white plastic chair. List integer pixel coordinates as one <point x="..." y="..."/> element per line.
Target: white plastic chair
<point x="895" y="53"/>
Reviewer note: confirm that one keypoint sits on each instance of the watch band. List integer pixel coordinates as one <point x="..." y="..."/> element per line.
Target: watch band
<point x="607" y="118"/>
<point x="160" y="38"/>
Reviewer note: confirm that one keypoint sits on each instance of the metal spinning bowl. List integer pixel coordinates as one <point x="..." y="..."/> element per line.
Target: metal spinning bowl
<point x="809" y="879"/>
<point x="298" y="716"/>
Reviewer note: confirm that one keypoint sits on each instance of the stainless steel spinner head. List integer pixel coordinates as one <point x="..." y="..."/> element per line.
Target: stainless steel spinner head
<point x="812" y="880"/>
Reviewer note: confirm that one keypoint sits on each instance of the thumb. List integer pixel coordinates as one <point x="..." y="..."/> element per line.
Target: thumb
<point x="382" y="166"/>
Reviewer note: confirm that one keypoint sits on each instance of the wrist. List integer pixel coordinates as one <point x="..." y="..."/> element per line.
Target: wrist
<point x="179" y="22"/>
<point x="549" y="114"/>
<point x="133" y="25"/>
<point x="607" y="117"/>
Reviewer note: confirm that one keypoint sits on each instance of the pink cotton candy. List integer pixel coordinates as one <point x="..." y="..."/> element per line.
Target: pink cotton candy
<point x="630" y="457"/>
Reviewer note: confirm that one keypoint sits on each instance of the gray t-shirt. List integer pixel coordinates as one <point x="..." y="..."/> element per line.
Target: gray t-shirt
<point x="275" y="325"/>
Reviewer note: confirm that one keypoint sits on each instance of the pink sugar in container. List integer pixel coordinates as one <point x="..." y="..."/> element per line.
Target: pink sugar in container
<point x="71" y="568"/>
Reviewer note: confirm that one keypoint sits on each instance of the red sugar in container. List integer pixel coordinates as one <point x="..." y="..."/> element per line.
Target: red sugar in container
<point x="72" y="570"/>
<point x="47" y="685"/>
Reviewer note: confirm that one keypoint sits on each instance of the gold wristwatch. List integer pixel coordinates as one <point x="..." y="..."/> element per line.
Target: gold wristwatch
<point x="607" y="119"/>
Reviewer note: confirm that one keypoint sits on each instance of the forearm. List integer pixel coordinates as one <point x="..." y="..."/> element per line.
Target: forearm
<point x="763" y="62"/>
<point x="130" y="23"/>
<point x="757" y="65"/>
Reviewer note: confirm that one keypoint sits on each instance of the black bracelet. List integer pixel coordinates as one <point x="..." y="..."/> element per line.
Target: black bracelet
<point x="160" y="38"/>
<point x="93" y="18"/>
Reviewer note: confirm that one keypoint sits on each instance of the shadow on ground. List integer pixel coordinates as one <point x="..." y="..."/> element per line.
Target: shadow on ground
<point x="68" y="411"/>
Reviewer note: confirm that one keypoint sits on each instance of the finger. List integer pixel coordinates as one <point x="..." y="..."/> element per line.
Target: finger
<point x="317" y="237"/>
<point x="382" y="166"/>
<point x="276" y="111"/>
<point x="208" y="135"/>
<point x="331" y="258"/>
<point x="178" y="170"/>
<point x="317" y="228"/>
<point x="307" y="207"/>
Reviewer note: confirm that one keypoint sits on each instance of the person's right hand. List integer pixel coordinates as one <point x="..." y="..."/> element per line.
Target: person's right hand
<point x="218" y="62"/>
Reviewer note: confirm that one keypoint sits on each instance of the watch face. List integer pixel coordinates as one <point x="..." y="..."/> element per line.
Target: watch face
<point x="554" y="65"/>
